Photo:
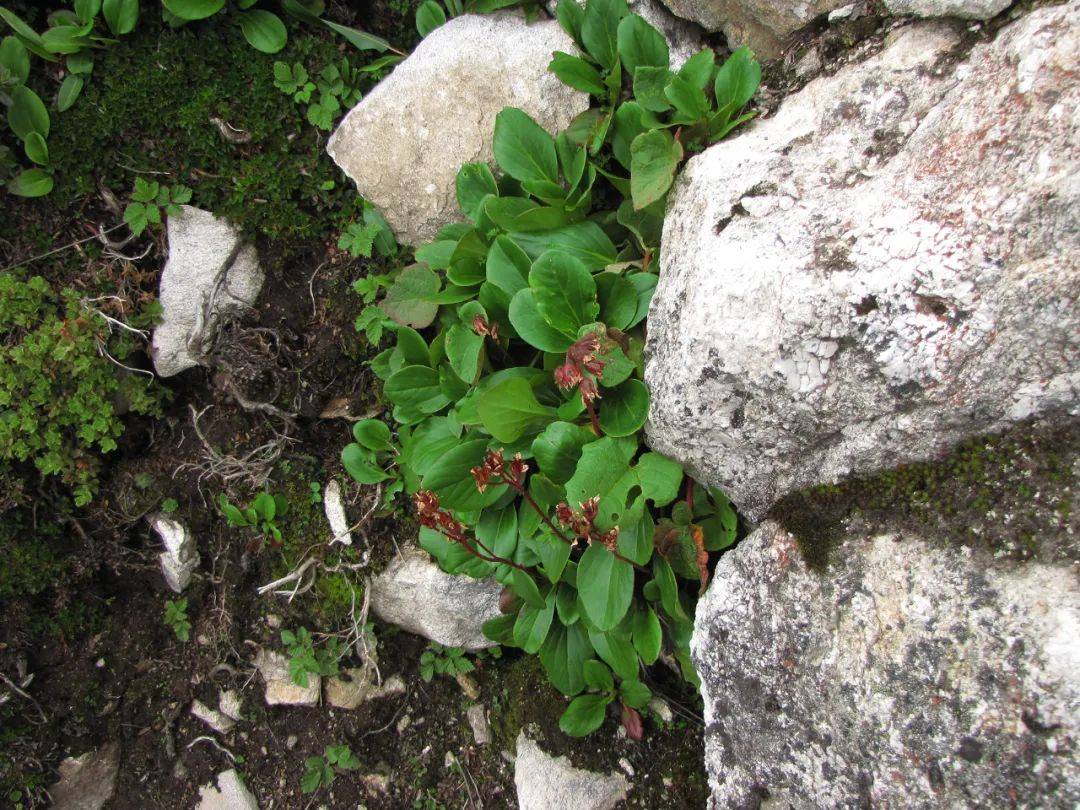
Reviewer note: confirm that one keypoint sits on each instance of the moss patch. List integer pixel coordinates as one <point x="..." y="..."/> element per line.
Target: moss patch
<point x="1007" y="494"/>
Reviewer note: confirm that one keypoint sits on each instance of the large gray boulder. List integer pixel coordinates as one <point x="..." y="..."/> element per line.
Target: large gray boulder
<point x="885" y="267"/>
<point x="909" y="674"/>
<point x="403" y="144"/>
<point x="761" y="24"/>
<point x="545" y="782"/>
<point x="964" y="9"/>
<point x="211" y="272"/>
<point x="87" y="782"/>
<point x="417" y="595"/>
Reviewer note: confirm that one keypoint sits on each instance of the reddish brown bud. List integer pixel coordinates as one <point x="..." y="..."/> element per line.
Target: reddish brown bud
<point x="564" y="514"/>
<point x="589" y="391"/>
<point x="631" y="721"/>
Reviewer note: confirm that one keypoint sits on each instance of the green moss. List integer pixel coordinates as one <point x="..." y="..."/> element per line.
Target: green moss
<point x="1009" y="494"/>
<point x="150" y="107"/>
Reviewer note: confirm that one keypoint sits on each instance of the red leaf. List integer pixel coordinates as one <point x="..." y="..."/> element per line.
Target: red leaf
<point x="631" y="721"/>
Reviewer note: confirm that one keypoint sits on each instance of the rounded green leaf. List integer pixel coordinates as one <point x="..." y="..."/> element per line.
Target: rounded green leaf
<point x="565" y="292"/>
<point x="36" y="149"/>
<point x="510" y="409"/>
<point x="450" y="478"/>
<point x="647" y="634"/>
<point x="31" y="183"/>
<point x="558" y="449"/>
<point x="27" y="113"/>
<point x="429" y="16"/>
<point x="618" y="300"/>
<point x="121" y="15"/>
<point x="598" y="676"/>
<point x="531" y="327"/>
<point x="563" y="655"/>
<point x="193" y="9"/>
<point x="599" y="30"/>
<point x="474" y="181"/>
<point x="408" y="302"/>
<point x="523" y="148"/>
<point x="575" y="72"/>
<point x="263" y="30"/>
<point x="15" y="57"/>
<point x="606" y="586"/>
<point x="417" y="388"/>
<point x="70" y="89"/>
<point x="654" y="158"/>
<point x="635" y="694"/>
<point x="508" y="265"/>
<point x="584" y="715"/>
<point x="617" y="652"/>
<point x="463" y="349"/>
<point x="641" y="44"/>
<point x="373" y="434"/>
<point x="624" y="409"/>
<point x="533" y="623"/>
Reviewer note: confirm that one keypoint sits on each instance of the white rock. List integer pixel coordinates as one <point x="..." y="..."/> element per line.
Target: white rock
<point x="355" y="687"/>
<point x="181" y="557"/>
<point x="335" y="514"/>
<point x="415" y="594"/>
<point x="405" y="141"/>
<point x="921" y="289"/>
<point x="761" y="24"/>
<point x="229" y="793"/>
<point x="87" y="782"/>
<point x="280" y="688"/>
<point x="477" y="717"/>
<point x="210" y="271"/>
<point x="231" y="704"/>
<point x="218" y="721"/>
<point x="545" y="782"/>
<point x="965" y="9"/>
<point x="661" y="709"/>
<point x="909" y="673"/>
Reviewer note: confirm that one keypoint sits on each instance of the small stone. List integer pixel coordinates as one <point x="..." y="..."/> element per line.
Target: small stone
<point x="87" y="782"/>
<point x="477" y="718"/>
<point x="660" y="708"/>
<point x="291" y="741"/>
<point x="219" y="722"/>
<point x="180" y="558"/>
<point x="842" y="13"/>
<point x="354" y="687"/>
<point x="376" y="783"/>
<point x="226" y="792"/>
<point x="544" y="782"/>
<point x="335" y="514"/>
<point x="628" y="769"/>
<point x="280" y="687"/>
<point x="403" y="724"/>
<point x="210" y="272"/>
<point x="468" y="686"/>
<point x="273" y="621"/>
<point x="231" y="704"/>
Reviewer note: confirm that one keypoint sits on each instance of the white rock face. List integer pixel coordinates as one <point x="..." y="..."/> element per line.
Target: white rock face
<point x="403" y="144"/>
<point x="965" y="9"/>
<point x="907" y="674"/>
<point x="229" y="793"/>
<point x="884" y="268"/>
<point x="210" y="271"/>
<point x="180" y="557"/>
<point x="280" y="688"/>
<point x="415" y="594"/>
<point x="87" y="782"/>
<point x="545" y="782"/>
<point x="761" y="24"/>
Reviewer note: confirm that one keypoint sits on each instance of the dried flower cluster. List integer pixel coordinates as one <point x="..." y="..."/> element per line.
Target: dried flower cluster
<point x="582" y="523"/>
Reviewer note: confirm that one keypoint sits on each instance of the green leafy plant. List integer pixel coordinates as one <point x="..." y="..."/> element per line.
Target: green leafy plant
<point x="169" y="505"/>
<point x="314" y="492"/>
<point x="319" y="772"/>
<point x="147" y="201"/>
<point x="519" y="416"/>
<point x="58" y="388"/>
<point x="430" y="14"/>
<point x="305" y="660"/>
<point x="450" y="661"/>
<point x="334" y="90"/>
<point x="262" y="515"/>
<point x="177" y="619"/>
<point x="372" y="235"/>
<point x="367" y="458"/>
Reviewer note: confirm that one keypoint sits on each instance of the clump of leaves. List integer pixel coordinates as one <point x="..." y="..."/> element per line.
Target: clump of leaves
<point x="319" y="772"/>
<point x="58" y="392"/>
<point x="305" y="660"/>
<point x="520" y="416"/>
<point x="335" y="89"/>
<point x="373" y="234"/>
<point x="368" y="458"/>
<point x="431" y="14"/>
<point x="262" y="515"/>
<point x="177" y="619"/>
<point x="148" y="199"/>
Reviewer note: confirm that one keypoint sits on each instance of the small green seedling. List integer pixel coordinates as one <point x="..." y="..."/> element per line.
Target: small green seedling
<point x="169" y="505"/>
<point x="449" y="661"/>
<point x="147" y="201"/>
<point x="586" y="712"/>
<point x="320" y="772"/>
<point x="177" y="619"/>
<point x="262" y="515"/>
<point x="305" y="660"/>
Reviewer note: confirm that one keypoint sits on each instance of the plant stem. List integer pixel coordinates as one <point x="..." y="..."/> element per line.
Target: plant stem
<point x="592" y="417"/>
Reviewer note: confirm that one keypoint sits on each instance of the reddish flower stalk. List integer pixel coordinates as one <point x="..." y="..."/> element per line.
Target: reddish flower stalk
<point x="481" y="326"/>
<point x="432" y="516"/>
<point x="581" y="361"/>
<point x="496" y="470"/>
<point x="582" y="523"/>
